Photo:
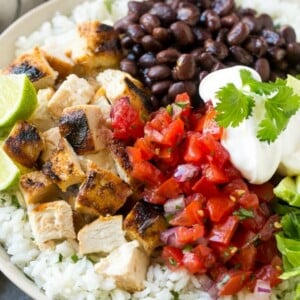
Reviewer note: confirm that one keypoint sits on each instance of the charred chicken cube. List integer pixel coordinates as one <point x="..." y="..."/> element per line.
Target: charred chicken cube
<point x="35" y="66"/>
<point x="41" y="118"/>
<point x="82" y="126"/>
<point x="118" y="84"/>
<point x="51" y="221"/>
<point x="36" y="187"/>
<point x="73" y="91"/>
<point x="98" y="46"/>
<point x="64" y="167"/>
<point x="127" y="265"/>
<point x="24" y="144"/>
<point x="51" y="139"/>
<point x="145" y="224"/>
<point x="102" y="235"/>
<point x="101" y="193"/>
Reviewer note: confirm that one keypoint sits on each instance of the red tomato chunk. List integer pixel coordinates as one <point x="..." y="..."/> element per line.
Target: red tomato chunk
<point x="224" y="226"/>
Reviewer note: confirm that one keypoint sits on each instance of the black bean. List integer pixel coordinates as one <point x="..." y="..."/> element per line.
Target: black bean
<point x="218" y="66"/>
<point x="277" y="53"/>
<point x="129" y="66"/>
<point x="238" y="33"/>
<point x="256" y="45"/>
<point x="272" y="37"/>
<point x="151" y="44"/>
<point x="147" y="60"/>
<point x="230" y="20"/>
<point x="189" y="13"/>
<point x="202" y="74"/>
<point x="213" y="21"/>
<point x="165" y="13"/>
<point x="136" y="32"/>
<point x="293" y="52"/>
<point x="207" y="61"/>
<point x="252" y="23"/>
<point x="265" y="21"/>
<point x="127" y="42"/>
<point x="169" y="55"/>
<point x="122" y="25"/>
<point x="182" y="33"/>
<point x="174" y="4"/>
<point x="149" y="22"/>
<point x="159" y="72"/>
<point x="288" y="33"/>
<point x="161" y="87"/>
<point x="154" y="102"/>
<point x="138" y="7"/>
<point x="201" y="34"/>
<point x="175" y="89"/>
<point x="166" y="100"/>
<point x="281" y="65"/>
<point x="241" y="55"/>
<point x="247" y="11"/>
<point x="161" y="34"/>
<point x="185" y="68"/>
<point x="222" y="35"/>
<point x="262" y="66"/>
<point x="191" y="87"/>
<point x="137" y="49"/>
<point x="131" y="56"/>
<point x="216" y="48"/>
<point x="223" y="7"/>
<point x="197" y="53"/>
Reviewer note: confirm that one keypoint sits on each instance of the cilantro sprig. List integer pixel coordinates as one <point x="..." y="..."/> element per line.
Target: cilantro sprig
<point x="236" y="105"/>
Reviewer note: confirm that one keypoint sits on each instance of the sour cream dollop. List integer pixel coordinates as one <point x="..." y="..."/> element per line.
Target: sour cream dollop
<point x="257" y="161"/>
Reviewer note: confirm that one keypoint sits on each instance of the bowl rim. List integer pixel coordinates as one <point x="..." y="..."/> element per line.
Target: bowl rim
<point x="26" y="24"/>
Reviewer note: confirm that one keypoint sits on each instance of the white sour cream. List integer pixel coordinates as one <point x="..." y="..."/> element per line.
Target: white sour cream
<point x="257" y="161"/>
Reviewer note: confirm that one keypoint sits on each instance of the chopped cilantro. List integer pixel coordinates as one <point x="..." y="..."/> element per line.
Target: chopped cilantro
<point x="74" y="258"/>
<point x="60" y="257"/>
<point x="188" y="248"/>
<point x="15" y="201"/>
<point x="182" y="104"/>
<point x="108" y="5"/>
<point x="175" y="295"/>
<point x="235" y="105"/>
<point x="172" y="261"/>
<point x="243" y="213"/>
<point x="169" y="109"/>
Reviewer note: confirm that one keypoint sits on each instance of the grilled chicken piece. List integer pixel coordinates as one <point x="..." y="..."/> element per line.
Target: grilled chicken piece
<point x="51" y="221"/>
<point x="127" y="265"/>
<point x="121" y="159"/>
<point x="103" y="235"/>
<point x="51" y="139"/>
<point x="41" y="117"/>
<point x="24" y="144"/>
<point x="82" y="126"/>
<point x="73" y="91"/>
<point x="35" y="66"/>
<point x="98" y="46"/>
<point x="119" y="84"/>
<point x="101" y="193"/>
<point x="145" y="224"/>
<point x="102" y="102"/>
<point x="102" y="159"/>
<point x="64" y="167"/>
<point x="36" y="187"/>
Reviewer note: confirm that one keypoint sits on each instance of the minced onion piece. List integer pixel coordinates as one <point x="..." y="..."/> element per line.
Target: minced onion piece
<point x="173" y="205"/>
<point x="262" y="287"/>
<point x="186" y="172"/>
<point x="169" y="237"/>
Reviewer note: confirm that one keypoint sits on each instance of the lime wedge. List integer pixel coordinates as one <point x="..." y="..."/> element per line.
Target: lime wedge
<point x="18" y="99"/>
<point x="9" y="173"/>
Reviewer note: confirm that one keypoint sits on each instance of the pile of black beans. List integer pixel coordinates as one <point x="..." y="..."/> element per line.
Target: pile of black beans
<point x="172" y="45"/>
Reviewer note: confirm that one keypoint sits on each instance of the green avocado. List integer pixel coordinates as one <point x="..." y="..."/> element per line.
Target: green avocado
<point x="288" y="190"/>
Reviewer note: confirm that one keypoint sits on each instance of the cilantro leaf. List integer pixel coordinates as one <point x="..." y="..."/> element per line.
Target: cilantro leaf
<point x="234" y="106"/>
<point x="279" y="109"/>
<point x="243" y="213"/>
<point x="108" y="5"/>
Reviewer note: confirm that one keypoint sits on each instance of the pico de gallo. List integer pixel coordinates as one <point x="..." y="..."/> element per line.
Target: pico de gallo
<point x="219" y="224"/>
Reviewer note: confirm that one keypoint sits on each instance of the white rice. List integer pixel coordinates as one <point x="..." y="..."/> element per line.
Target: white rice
<point x="54" y="271"/>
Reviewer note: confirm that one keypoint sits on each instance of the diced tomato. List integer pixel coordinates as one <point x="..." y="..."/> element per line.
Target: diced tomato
<point x="193" y="152"/>
<point x="245" y="258"/>
<point x="223" y="232"/>
<point x="232" y="282"/>
<point x="236" y="188"/>
<point x="147" y="173"/>
<point x="190" y="215"/>
<point x="249" y="200"/>
<point x="264" y="191"/>
<point x="256" y="223"/>
<point x="193" y="263"/>
<point x="190" y="235"/>
<point x="206" y="188"/>
<point x="183" y="99"/>
<point x="126" y="121"/>
<point x="161" y="120"/>
<point x="172" y="257"/>
<point x="150" y="195"/>
<point x="219" y="207"/>
<point x="269" y="228"/>
<point x="214" y="174"/>
<point x="266" y="251"/>
<point x="206" y="254"/>
<point x="135" y="154"/>
<point x="243" y="236"/>
<point x="169" y="188"/>
<point x="167" y="157"/>
<point x="270" y="274"/>
<point x="224" y="253"/>
<point x="173" y="134"/>
<point x="210" y="126"/>
<point x="145" y="147"/>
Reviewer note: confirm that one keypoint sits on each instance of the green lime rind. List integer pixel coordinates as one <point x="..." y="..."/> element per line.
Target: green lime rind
<point x="9" y="172"/>
<point x="18" y="99"/>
